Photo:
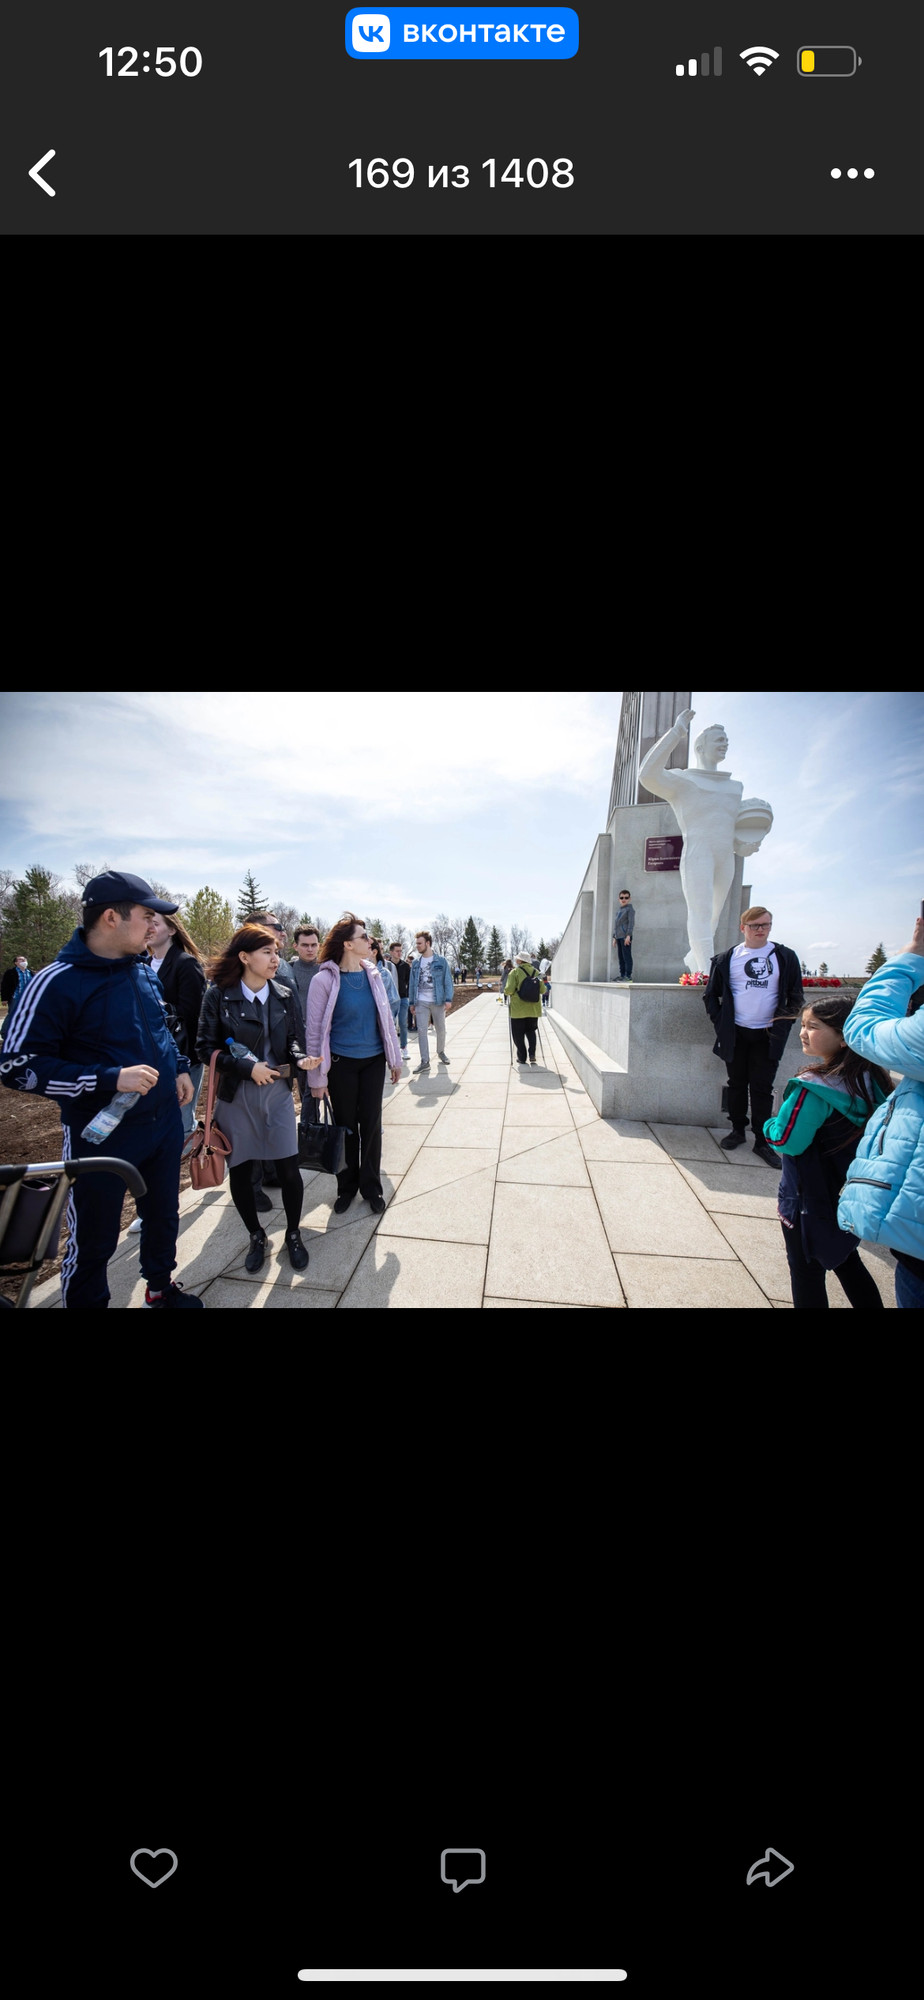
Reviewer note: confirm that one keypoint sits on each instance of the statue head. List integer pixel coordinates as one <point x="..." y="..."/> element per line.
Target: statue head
<point x="710" y="747"/>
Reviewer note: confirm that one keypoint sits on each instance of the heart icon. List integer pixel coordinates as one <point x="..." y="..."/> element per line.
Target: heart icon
<point x="153" y="1852"/>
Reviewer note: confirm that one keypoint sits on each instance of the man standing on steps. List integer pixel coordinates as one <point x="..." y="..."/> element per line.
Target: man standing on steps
<point x="753" y="995"/>
<point x="430" y="991"/>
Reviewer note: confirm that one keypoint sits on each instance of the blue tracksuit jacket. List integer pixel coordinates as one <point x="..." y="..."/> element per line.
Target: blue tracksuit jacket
<point x="81" y="1020"/>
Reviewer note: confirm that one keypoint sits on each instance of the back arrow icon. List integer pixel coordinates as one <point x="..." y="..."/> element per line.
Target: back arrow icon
<point x="768" y="1868"/>
<point x="34" y="174"/>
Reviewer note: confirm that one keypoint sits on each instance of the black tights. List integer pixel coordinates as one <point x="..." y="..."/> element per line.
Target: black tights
<point x="808" y="1279"/>
<point x="290" y="1181"/>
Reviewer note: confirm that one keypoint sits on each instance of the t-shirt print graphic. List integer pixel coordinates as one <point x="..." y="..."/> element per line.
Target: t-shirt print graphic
<point x="759" y="969"/>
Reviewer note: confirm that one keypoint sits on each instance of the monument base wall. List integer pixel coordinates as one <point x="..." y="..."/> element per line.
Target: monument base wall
<point x="645" y="1051"/>
<point x="586" y="950"/>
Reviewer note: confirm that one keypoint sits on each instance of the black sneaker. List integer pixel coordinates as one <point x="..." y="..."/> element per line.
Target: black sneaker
<point x="377" y="1203"/>
<point x="343" y="1202"/>
<point x="767" y="1154"/>
<point x="255" y="1255"/>
<point x="731" y="1140"/>
<point x="421" y="1066"/>
<point x="298" y="1255"/>
<point x="175" y="1296"/>
<point x="443" y="1058"/>
<point x="262" y="1202"/>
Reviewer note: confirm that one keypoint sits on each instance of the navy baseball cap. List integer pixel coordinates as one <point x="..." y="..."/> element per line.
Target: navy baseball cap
<point x="112" y="888"/>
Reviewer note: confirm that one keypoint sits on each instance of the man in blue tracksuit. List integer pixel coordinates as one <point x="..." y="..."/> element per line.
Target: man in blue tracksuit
<point x="91" y="1024"/>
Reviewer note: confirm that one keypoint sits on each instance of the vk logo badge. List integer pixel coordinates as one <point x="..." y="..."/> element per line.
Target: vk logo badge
<point x="371" y="33"/>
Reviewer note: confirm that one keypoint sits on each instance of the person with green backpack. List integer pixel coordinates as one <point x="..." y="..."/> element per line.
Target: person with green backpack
<point x="524" y="992"/>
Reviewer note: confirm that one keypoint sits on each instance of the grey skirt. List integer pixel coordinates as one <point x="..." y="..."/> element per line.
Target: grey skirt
<point x="260" y="1123"/>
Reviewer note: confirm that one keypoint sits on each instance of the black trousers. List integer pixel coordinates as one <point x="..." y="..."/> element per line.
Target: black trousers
<point x="808" y="1278"/>
<point x="243" y="1191"/>
<point x="751" y="1070"/>
<point x="523" y="1032"/>
<point x="94" y="1210"/>
<point x="356" y="1085"/>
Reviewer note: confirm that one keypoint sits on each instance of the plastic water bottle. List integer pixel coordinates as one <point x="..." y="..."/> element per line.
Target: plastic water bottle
<point x="106" y="1120"/>
<point x="238" y="1050"/>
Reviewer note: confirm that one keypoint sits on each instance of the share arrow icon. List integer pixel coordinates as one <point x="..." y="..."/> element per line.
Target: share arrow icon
<point x="773" y="1867"/>
<point x="35" y="175"/>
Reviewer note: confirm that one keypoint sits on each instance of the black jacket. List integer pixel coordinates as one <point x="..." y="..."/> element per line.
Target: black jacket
<point x="226" y="1013"/>
<point x="183" y="981"/>
<point x="720" y="1007"/>
<point x="402" y="972"/>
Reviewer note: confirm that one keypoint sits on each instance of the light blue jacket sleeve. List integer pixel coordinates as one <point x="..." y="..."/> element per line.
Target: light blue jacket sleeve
<point x="879" y="1027"/>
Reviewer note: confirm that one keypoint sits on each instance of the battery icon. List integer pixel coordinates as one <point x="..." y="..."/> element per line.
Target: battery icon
<point x="827" y="60"/>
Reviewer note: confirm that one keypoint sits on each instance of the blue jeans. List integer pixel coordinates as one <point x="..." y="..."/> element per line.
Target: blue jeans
<point x="403" y="1006"/>
<point x="625" y="958"/>
<point x="188" y="1111"/>
<point x="909" y="1288"/>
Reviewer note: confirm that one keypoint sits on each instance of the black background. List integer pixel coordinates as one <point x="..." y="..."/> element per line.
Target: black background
<point x="260" y="142"/>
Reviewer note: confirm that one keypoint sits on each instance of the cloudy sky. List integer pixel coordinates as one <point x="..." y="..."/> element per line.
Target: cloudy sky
<point x="489" y="803"/>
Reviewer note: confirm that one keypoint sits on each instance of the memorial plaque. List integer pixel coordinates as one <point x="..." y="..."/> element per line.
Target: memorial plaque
<point x="663" y="851"/>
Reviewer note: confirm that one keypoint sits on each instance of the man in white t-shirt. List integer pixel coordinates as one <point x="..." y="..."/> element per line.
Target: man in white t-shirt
<point x="753" y="995"/>
<point x="430" y="991"/>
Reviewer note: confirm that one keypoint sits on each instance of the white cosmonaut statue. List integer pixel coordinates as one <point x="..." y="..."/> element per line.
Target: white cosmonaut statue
<point x="716" y="823"/>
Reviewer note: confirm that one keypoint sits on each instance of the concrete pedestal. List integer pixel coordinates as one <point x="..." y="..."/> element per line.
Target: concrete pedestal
<point x="645" y="1051"/>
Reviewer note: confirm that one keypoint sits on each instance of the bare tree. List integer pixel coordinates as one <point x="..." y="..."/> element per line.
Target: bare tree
<point x="520" y="939"/>
<point x="442" y="928"/>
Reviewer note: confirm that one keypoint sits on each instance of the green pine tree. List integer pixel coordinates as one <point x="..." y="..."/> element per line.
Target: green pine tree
<point x="39" y="919"/>
<point x="208" y="919"/>
<point x="495" y="949"/>
<point x="878" y="958"/>
<point x="471" y="949"/>
<point x="250" y="901"/>
<point x="823" y="970"/>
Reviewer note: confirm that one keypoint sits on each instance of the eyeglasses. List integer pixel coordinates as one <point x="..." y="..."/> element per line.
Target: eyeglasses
<point x="757" y="927"/>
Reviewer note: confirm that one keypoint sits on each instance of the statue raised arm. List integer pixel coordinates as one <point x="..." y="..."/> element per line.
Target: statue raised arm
<point x="715" y="823"/>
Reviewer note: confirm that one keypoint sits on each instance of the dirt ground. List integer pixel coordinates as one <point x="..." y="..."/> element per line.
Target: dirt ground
<point x="30" y="1129"/>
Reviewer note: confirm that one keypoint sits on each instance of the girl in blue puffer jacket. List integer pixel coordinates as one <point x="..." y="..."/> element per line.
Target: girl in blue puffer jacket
<point x="817" y="1130"/>
<point x="883" y="1198"/>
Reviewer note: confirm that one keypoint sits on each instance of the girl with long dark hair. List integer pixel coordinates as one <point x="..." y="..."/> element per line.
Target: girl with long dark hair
<point x="247" y="1004"/>
<point x="351" y="1030"/>
<point x="817" y="1130"/>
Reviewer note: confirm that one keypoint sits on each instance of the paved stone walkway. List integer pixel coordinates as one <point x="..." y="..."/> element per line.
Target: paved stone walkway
<point x="505" y="1189"/>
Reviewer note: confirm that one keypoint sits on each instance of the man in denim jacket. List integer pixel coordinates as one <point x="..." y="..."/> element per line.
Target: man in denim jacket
<point x="430" y="991"/>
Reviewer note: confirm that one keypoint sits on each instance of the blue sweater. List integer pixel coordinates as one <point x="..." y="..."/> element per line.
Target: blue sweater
<point x="81" y="1020"/>
<point x="354" y="1028"/>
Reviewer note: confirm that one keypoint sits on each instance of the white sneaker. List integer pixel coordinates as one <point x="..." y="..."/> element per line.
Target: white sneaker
<point x="134" y="1228"/>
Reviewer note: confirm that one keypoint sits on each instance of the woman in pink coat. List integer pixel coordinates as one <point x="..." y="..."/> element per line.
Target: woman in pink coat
<point x="350" y="1026"/>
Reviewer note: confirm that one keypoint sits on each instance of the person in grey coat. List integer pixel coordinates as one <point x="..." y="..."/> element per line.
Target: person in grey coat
<point x="623" y="933"/>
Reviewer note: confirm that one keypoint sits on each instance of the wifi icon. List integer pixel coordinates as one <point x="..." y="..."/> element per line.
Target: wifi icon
<point x="759" y="59"/>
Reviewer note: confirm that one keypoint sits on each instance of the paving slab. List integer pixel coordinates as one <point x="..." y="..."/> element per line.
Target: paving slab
<point x="549" y="1243"/>
<point x="333" y="1254"/>
<point x="470" y="1128"/>
<point x="687" y="1142"/>
<point x="457" y="1212"/>
<point x="644" y="1207"/>
<point x="758" y="1244"/>
<point x="231" y="1294"/>
<point x="620" y="1139"/>
<point x="583" y="1112"/>
<point x="556" y="1161"/>
<point x="533" y="1305"/>
<point x="725" y="1190"/>
<point x="400" y="1145"/>
<point x="543" y="1080"/>
<point x="532" y="1109"/>
<point x="743" y="1156"/>
<point x="683" y="1282"/>
<point x="480" y="1096"/>
<point x="486" y="1072"/>
<point x="418" y="1108"/>
<point x="435" y="1166"/>
<point x="412" y="1275"/>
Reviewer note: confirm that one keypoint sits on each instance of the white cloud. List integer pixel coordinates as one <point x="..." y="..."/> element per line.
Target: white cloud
<point x="824" y="944"/>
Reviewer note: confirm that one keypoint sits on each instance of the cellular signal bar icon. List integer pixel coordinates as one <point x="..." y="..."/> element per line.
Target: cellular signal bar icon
<point x="691" y="67"/>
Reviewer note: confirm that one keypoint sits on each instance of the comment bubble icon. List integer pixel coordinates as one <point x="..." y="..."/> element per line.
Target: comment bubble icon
<point x="458" y="1868"/>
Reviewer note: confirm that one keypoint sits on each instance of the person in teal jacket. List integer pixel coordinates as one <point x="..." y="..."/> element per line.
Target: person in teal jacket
<point x="817" y="1130"/>
<point x="883" y="1198"/>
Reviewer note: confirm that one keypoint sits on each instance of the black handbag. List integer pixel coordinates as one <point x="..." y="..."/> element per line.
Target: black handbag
<point x="323" y="1146"/>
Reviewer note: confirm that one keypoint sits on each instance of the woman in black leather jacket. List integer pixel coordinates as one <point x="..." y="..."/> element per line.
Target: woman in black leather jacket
<point x="255" y="1109"/>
